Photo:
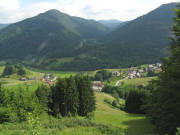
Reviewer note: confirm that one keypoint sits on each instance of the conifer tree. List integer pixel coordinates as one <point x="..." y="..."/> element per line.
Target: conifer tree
<point x="86" y="96"/>
<point x="43" y="94"/>
<point x="164" y="104"/>
<point x="59" y="97"/>
<point x="72" y="96"/>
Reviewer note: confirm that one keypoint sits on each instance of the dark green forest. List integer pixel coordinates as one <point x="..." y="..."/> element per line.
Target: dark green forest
<point x="160" y="100"/>
<point x="44" y="40"/>
<point x="68" y="97"/>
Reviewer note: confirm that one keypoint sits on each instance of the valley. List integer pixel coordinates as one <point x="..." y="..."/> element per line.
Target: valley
<point x="62" y="74"/>
<point x="105" y="114"/>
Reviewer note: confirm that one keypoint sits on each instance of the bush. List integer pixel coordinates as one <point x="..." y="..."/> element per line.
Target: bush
<point x="178" y="131"/>
<point x="135" y="101"/>
<point x="4" y="115"/>
<point x="90" y="115"/>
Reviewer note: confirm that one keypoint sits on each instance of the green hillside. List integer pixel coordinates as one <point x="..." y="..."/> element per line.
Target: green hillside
<point x="57" y="41"/>
<point x="50" y="34"/>
<point x="141" y="41"/>
<point x="112" y="24"/>
<point x="3" y="26"/>
<point x="107" y="121"/>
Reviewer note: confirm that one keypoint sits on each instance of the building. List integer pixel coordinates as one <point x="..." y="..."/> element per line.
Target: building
<point x="138" y="75"/>
<point x="158" y="65"/>
<point x="141" y="71"/>
<point x="116" y="73"/>
<point x="97" y="86"/>
<point x="23" y="79"/>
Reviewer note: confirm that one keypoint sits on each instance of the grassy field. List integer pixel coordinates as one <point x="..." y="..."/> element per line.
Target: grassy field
<point x="105" y="117"/>
<point x="13" y="81"/>
<point x="139" y="81"/>
<point x="134" y="124"/>
<point x="61" y="74"/>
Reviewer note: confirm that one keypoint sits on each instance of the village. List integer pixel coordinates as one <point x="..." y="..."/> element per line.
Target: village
<point x="49" y="79"/>
<point x="131" y="73"/>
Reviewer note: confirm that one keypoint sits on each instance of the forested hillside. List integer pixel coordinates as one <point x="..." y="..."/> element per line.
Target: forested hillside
<point x="3" y="26"/>
<point x="141" y="41"/>
<point x="112" y="24"/>
<point x="54" y="40"/>
<point x="51" y="34"/>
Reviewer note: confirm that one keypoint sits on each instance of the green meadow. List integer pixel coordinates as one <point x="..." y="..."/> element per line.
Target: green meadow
<point x="139" y="81"/>
<point x="107" y="120"/>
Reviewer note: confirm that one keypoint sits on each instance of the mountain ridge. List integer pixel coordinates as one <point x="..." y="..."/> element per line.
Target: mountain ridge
<point x="54" y="40"/>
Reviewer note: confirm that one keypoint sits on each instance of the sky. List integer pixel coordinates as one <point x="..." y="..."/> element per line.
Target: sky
<point x="124" y="10"/>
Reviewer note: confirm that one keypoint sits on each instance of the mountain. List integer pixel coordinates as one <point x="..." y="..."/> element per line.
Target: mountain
<point x="3" y="26"/>
<point x="150" y="29"/>
<point x="50" y="34"/>
<point x="112" y="24"/>
<point x="141" y="41"/>
<point x="54" y="40"/>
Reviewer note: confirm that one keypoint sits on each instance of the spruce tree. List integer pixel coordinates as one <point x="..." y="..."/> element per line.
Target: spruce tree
<point x="72" y="96"/>
<point x="43" y="94"/>
<point x="164" y="104"/>
<point x="86" y="96"/>
<point x="59" y="97"/>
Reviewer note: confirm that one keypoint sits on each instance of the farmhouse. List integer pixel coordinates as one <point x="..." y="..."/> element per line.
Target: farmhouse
<point x="158" y="65"/>
<point x="23" y="79"/>
<point x="97" y="86"/>
<point x="49" y="78"/>
<point x="141" y="71"/>
<point x="116" y="73"/>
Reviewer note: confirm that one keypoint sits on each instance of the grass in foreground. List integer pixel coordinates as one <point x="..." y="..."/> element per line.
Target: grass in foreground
<point x="107" y="121"/>
<point x="134" y="124"/>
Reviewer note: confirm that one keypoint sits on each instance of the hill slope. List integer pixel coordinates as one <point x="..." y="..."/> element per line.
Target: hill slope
<point x="51" y="34"/>
<point x="112" y="24"/>
<point x="150" y="29"/>
<point x="141" y="41"/>
<point x="3" y="26"/>
<point x="54" y="40"/>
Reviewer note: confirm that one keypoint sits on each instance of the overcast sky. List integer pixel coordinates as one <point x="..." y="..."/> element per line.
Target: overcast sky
<point x="16" y="10"/>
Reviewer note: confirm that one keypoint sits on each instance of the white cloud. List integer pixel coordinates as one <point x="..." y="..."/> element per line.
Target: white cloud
<point x="11" y="11"/>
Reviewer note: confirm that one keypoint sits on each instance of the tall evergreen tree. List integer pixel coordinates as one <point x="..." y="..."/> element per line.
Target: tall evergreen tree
<point x="86" y="96"/>
<point x="72" y="96"/>
<point x="164" y="104"/>
<point x="9" y="69"/>
<point x="43" y="94"/>
<point x="59" y="97"/>
<point x="134" y="101"/>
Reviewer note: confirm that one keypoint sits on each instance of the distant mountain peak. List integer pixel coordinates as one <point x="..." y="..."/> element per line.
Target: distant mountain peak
<point x="53" y="11"/>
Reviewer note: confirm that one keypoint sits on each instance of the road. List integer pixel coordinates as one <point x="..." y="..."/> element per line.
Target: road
<point x="118" y="82"/>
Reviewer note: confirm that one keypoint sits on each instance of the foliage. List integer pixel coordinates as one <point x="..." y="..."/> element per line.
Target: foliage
<point x="73" y="95"/>
<point x="35" y="127"/>
<point x="11" y="69"/>
<point x="134" y="101"/>
<point x="21" y="71"/>
<point x="86" y="96"/>
<point x="102" y="75"/>
<point x="118" y="92"/>
<point x="163" y="106"/>
<point x="178" y="131"/>
<point x="43" y="94"/>
<point x="14" y="106"/>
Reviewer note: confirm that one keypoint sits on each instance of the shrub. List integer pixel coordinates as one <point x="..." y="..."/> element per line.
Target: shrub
<point x="135" y="101"/>
<point x="4" y="115"/>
